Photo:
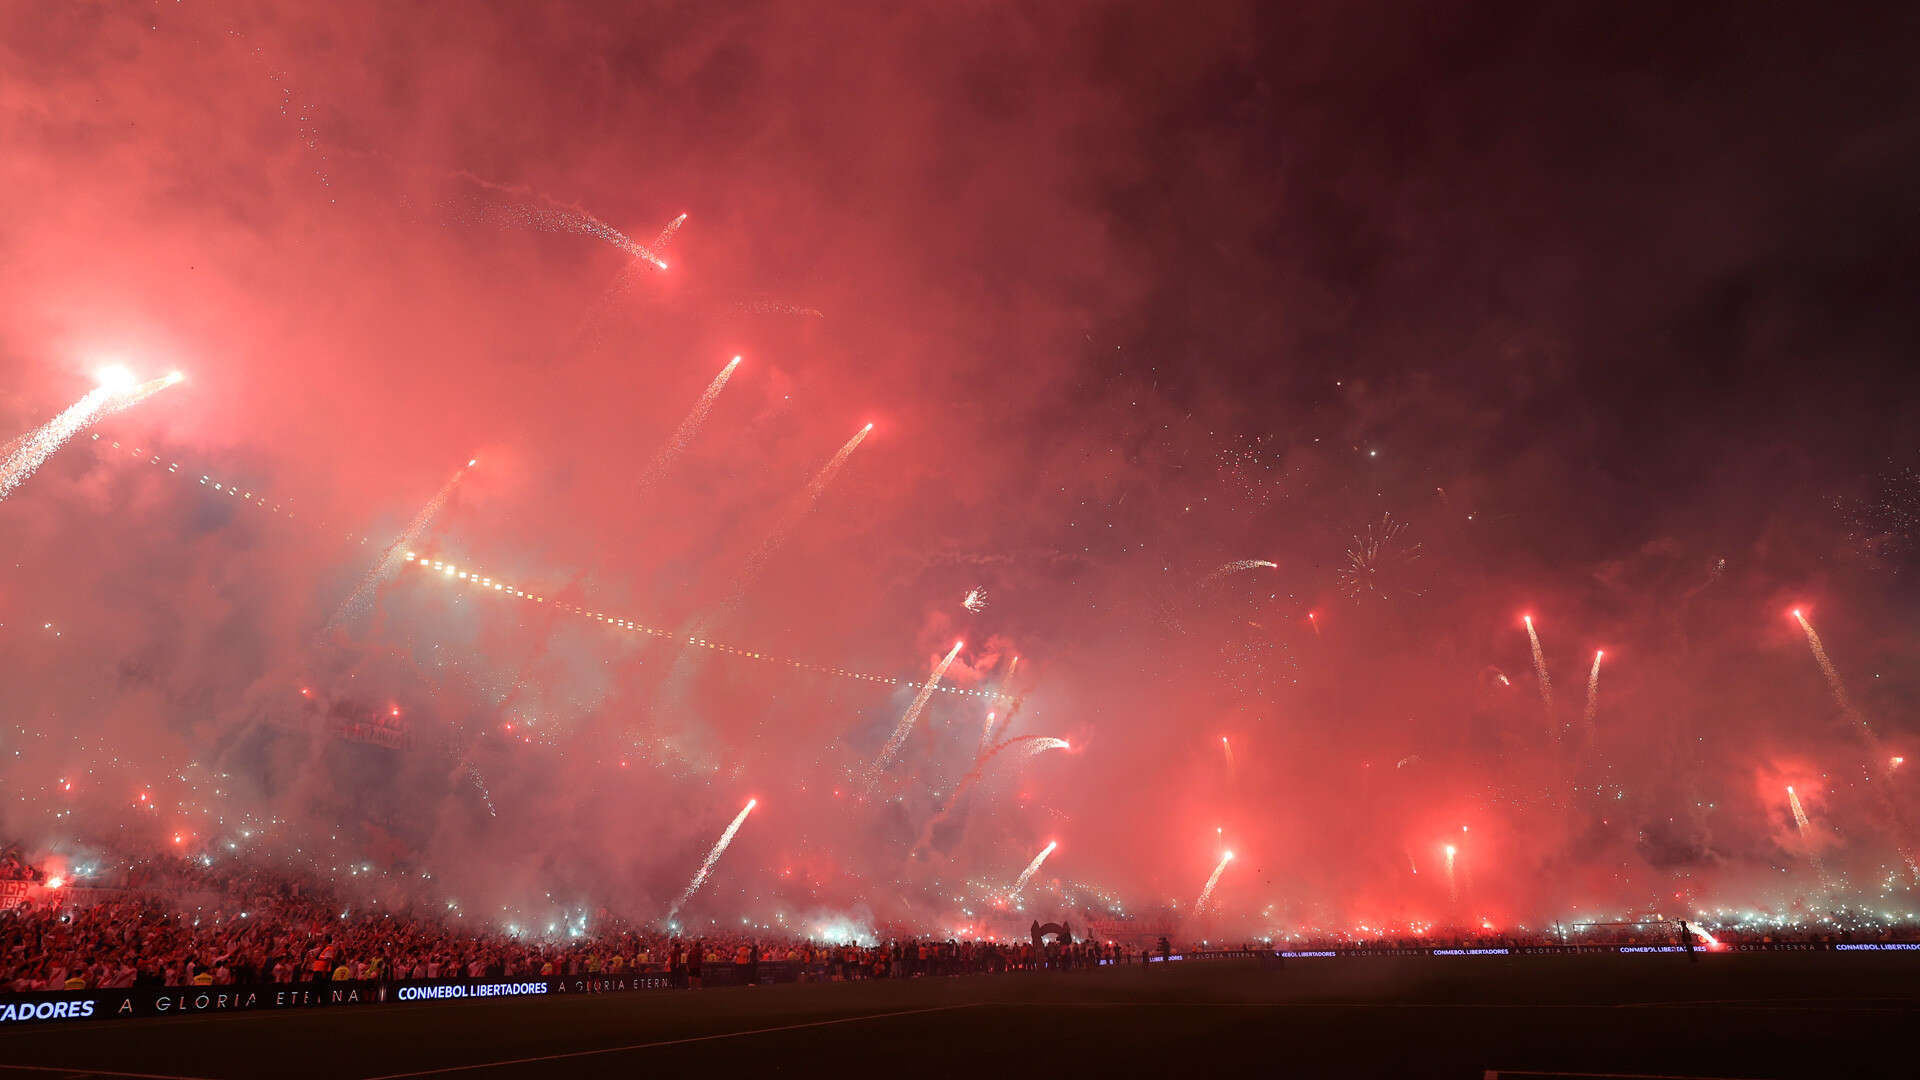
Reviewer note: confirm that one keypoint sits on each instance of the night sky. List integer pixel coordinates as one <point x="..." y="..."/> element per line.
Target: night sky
<point x="1454" y="316"/>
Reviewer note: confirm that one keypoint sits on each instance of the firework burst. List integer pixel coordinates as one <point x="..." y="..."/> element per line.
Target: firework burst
<point x="1382" y="564"/>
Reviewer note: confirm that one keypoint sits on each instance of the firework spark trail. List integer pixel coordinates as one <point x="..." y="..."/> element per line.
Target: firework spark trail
<point x="1806" y="836"/>
<point x="1013" y="894"/>
<point x="975" y="601"/>
<point x="660" y="242"/>
<point x="1213" y="879"/>
<point x="689" y="427"/>
<point x="1540" y="672"/>
<point x="480" y="784"/>
<point x="1234" y="568"/>
<point x="551" y="215"/>
<point x="1799" y="813"/>
<point x="27" y="453"/>
<point x="900" y="730"/>
<point x="1453" y="881"/>
<point x="986" y="733"/>
<point x="795" y="514"/>
<point x="1593" y="697"/>
<point x="1227" y="747"/>
<point x="1875" y="754"/>
<point x="395" y="556"/>
<point x="700" y="876"/>
<point x="1033" y="745"/>
<point x="1833" y="678"/>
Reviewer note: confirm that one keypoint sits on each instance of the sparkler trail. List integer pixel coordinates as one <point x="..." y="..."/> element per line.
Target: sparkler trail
<point x="913" y="711"/>
<point x="796" y="513"/>
<point x="700" y="876"/>
<point x="1540" y="672"/>
<point x="116" y="391"/>
<point x="1013" y="894"/>
<point x="1213" y="879"/>
<point x="396" y="555"/>
<point x="688" y="428"/>
<point x="1234" y="568"/>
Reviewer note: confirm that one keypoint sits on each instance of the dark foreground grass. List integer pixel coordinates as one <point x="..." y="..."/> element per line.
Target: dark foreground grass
<point x="1749" y="1015"/>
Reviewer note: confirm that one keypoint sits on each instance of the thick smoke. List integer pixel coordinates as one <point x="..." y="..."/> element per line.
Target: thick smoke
<point x="1128" y="295"/>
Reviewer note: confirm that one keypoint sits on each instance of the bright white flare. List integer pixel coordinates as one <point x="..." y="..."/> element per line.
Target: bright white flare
<point x="706" y="867"/>
<point x="975" y="601"/>
<point x="116" y="391"/>
<point x="1212" y="880"/>
<point x="1013" y="894"/>
<point x="689" y="427"/>
<point x="900" y="730"/>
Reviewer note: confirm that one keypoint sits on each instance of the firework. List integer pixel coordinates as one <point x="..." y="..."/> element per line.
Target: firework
<point x="1540" y="673"/>
<point x="900" y="730"/>
<point x="1234" y="568"/>
<point x="1832" y="673"/>
<point x="549" y="215"/>
<point x="116" y="391"/>
<point x="706" y="867"/>
<point x="1033" y="745"/>
<point x="1593" y="695"/>
<point x="761" y="306"/>
<point x="1453" y="880"/>
<point x="986" y="733"/>
<point x="1212" y="880"/>
<point x="1807" y="837"/>
<point x="1884" y="530"/>
<point x="688" y="428"/>
<point x="1013" y="894"/>
<point x="1381" y="564"/>
<point x="665" y="237"/>
<point x="796" y="513"/>
<point x="975" y="601"/>
<point x="1227" y="748"/>
<point x="396" y="555"/>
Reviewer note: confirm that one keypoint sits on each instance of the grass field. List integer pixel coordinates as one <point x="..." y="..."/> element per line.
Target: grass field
<point x="1747" y="1015"/>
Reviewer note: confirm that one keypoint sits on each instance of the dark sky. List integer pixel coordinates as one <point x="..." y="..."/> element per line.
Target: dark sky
<point x="1454" y="315"/>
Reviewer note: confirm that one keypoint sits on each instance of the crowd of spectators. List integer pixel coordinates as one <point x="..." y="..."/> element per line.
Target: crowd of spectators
<point x="246" y="927"/>
<point x="178" y="923"/>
